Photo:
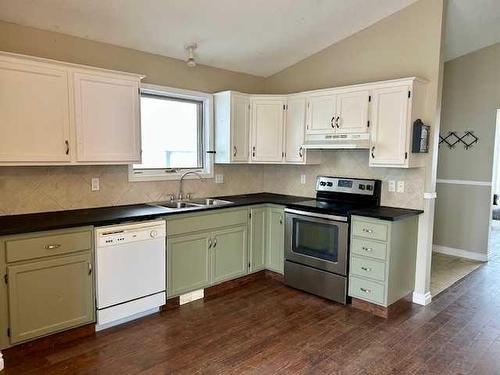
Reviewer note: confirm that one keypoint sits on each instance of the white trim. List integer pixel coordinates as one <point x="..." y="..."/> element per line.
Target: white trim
<point x="467" y="254"/>
<point x="208" y="128"/>
<point x="430" y="195"/>
<point x="422" y="299"/>
<point x="464" y="182"/>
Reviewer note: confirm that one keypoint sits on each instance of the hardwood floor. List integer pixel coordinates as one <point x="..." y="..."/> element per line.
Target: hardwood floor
<point x="267" y="328"/>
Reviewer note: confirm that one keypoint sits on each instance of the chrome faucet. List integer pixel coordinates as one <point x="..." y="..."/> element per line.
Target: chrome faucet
<point x="180" y="195"/>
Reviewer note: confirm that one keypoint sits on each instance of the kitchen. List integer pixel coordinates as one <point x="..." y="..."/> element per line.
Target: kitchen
<point x="140" y="188"/>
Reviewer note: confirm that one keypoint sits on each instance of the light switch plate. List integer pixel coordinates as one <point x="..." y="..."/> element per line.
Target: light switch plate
<point x="401" y="187"/>
<point x="94" y="184"/>
<point x="219" y="178"/>
<point x="303" y="179"/>
<point x="392" y="186"/>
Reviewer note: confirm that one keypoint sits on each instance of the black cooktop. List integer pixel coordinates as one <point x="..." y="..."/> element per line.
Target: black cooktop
<point x="342" y="208"/>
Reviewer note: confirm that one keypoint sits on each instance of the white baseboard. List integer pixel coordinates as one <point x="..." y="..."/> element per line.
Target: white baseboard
<point x="422" y="298"/>
<point x="472" y="255"/>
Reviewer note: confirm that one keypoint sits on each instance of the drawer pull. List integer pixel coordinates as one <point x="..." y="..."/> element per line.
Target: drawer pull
<point x="367" y="269"/>
<point x="367" y="249"/>
<point x="365" y="290"/>
<point x="52" y="247"/>
<point x="366" y="230"/>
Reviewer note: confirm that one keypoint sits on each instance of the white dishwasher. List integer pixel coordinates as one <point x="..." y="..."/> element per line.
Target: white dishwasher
<point x="130" y="269"/>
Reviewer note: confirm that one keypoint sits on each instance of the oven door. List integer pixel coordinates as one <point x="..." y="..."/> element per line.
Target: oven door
<point x="317" y="240"/>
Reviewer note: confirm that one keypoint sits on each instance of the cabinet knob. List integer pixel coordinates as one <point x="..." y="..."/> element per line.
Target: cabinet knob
<point x="365" y="290"/>
<point x="215" y="242"/>
<point x="373" y="152"/>
<point x="301" y="154"/>
<point x="367" y="249"/>
<point x="367" y="269"/>
<point x="235" y="150"/>
<point x="366" y="230"/>
<point x="90" y="268"/>
<point x="52" y="246"/>
<point x="66" y="142"/>
<point x="331" y="122"/>
<point x="209" y="243"/>
<point x="337" y="124"/>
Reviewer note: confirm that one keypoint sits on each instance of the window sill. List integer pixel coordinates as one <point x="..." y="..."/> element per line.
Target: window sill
<point x="164" y="176"/>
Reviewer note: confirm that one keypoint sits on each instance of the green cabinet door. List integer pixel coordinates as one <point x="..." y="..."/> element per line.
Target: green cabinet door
<point x="188" y="263"/>
<point x="49" y="296"/>
<point x="229" y="254"/>
<point x="275" y="240"/>
<point x="257" y="239"/>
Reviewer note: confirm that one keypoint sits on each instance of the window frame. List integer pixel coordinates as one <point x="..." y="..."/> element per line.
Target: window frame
<point x="207" y="127"/>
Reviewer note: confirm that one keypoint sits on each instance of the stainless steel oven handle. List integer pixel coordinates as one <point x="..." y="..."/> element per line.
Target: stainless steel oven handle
<point x="314" y="214"/>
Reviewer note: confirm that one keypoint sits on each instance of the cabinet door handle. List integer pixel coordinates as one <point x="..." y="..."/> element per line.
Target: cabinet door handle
<point x="235" y="150"/>
<point x="66" y="142"/>
<point x="367" y="269"/>
<point x="337" y="122"/>
<point x="281" y="220"/>
<point x="90" y="268"/>
<point x="253" y="151"/>
<point x="52" y="246"/>
<point x="364" y="290"/>
<point x="366" y="230"/>
<point x="367" y="249"/>
<point x="301" y="154"/>
<point x="215" y="242"/>
<point x="331" y="122"/>
<point x="373" y="152"/>
<point x="209" y="243"/>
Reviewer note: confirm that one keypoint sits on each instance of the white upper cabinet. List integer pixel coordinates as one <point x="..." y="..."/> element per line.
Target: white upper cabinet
<point x="54" y="113"/>
<point x="294" y="130"/>
<point x="34" y="113"/>
<point x="396" y="106"/>
<point x="107" y="118"/>
<point x="321" y="113"/>
<point x="232" y="127"/>
<point x="352" y="112"/>
<point x="267" y="120"/>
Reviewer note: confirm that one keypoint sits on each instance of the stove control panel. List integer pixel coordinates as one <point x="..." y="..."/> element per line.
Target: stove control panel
<point x="345" y="185"/>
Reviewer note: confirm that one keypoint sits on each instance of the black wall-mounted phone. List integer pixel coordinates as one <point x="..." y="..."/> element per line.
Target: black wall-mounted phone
<point x="420" y="143"/>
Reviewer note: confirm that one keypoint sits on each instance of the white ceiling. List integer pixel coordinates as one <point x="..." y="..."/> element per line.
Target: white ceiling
<point x="471" y="25"/>
<point x="260" y="37"/>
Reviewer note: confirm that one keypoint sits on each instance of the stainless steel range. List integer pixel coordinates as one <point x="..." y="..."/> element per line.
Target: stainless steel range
<point x="317" y="235"/>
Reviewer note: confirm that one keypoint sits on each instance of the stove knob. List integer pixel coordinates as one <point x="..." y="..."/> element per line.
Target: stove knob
<point x="329" y="184"/>
<point x="322" y="183"/>
<point x="153" y="233"/>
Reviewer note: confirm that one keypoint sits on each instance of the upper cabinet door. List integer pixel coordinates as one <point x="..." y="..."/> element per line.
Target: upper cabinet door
<point x="390" y="118"/>
<point x="352" y="112"/>
<point x="240" y="128"/>
<point x="267" y="129"/>
<point x="107" y="119"/>
<point x="34" y="108"/>
<point x="321" y="114"/>
<point x="294" y="130"/>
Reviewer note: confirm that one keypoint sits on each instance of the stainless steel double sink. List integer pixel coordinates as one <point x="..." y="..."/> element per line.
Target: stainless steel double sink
<point x="191" y="204"/>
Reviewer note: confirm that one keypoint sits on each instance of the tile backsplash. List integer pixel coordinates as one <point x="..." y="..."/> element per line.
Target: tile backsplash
<point x="37" y="189"/>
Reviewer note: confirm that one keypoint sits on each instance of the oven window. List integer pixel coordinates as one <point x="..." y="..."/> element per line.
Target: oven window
<point x="317" y="240"/>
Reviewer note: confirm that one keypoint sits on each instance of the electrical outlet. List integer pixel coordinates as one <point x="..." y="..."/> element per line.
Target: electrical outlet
<point x="303" y="179"/>
<point x="219" y="178"/>
<point x="392" y="186"/>
<point x="401" y="187"/>
<point x="94" y="184"/>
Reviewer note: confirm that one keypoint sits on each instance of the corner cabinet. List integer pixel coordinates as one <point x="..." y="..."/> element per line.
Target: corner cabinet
<point x="267" y="121"/>
<point x="77" y="114"/>
<point x="396" y="105"/>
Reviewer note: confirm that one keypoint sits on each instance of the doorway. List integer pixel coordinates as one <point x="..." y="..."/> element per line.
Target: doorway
<point x="494" y="234"/>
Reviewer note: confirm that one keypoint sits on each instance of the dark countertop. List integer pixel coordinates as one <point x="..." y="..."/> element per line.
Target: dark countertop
<point x="387" y="213"/>
<point x="14" y="224"/>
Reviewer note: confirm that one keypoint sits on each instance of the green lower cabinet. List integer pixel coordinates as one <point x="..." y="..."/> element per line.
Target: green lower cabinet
<point x="257" y="239"/>
<point x="50" y="295"/>
<point x="188" y="263"/>
<point x="229" y="254"/>
<point x="275" y="240"/>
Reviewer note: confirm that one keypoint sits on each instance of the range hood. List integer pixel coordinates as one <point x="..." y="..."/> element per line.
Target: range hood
<point x="337" y="141"/>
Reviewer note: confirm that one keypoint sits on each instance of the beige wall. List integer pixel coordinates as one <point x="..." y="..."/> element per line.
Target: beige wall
<point x="404" y="44"/>
<point x="471" y="97"/>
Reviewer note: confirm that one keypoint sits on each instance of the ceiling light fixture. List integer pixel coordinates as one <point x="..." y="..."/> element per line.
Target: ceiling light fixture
<point x="190" y="60"/>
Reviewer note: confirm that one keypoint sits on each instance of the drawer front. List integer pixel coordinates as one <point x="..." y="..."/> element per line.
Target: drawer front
<point x="366" y="290"/>
<point x="206" y="222"/>
<point x="373" y="269"/>
<point x="45" y="245"/>
<point x="373" y="231"/>
<point x="369" y="248"/>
